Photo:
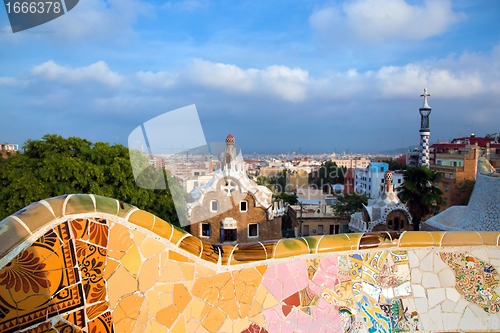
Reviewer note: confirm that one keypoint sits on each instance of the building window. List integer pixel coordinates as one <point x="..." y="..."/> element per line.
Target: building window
<point x="399" y="181"/>
<point x="253" y="230"/>
<point x="214" y="206"/>
<point x="369" y="187"/>
<point x="451" y="176"/>
<point x="244" y="206"/>
<point x="445" y="201"/>
<point x="382" y="180"/>
<point x="446" y="188"/>
<point x="337" y="229"/>
<point x="228" y="235"/>
<point x="382" y="169"/>
<point x="205" y="230"/>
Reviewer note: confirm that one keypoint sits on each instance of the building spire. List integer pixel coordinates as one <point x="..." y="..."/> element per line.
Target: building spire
<point x="425" y="95"/>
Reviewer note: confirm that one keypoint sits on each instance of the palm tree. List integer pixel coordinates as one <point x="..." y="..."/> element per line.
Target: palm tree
<point x="419" y="193"/>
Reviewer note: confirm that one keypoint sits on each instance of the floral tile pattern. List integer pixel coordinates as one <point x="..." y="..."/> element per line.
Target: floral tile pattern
<point x="132" y="272"/>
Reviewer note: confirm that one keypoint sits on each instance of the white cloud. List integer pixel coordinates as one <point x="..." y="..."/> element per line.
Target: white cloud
<point x="162" y="79"/>
<point x="98" y="72"/>
<point x="7" y="81"/>
<point x="377" y="21"/>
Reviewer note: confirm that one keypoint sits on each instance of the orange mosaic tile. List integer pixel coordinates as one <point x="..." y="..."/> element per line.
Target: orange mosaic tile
<point x="211" y="252"/>
<point x="312" y="242"/>
<point x="461" y="238"/>
<point x="102" y="324"/>
<point x="98" y="233"/>
<point x="124" y="209"/>
<point x="119" y="238"/>
<point x="177" y="234"/>
<point x="416" y="239"/>
<point x="150" y="247"/>
<point x="80" y="229"/>
<point x="332" y="243"/>
<point x="489" y="237"/>
<point x="162" y="228"/>
<point x="355" y="239"/>
<point x="214" y="320"/>
<point x="149" y="273"/>
<point x="96" y="310"/>
<point x="437" y="236"/>
<point x="167" y="316"/>
<point x="181" y="297"/>
<point x="132" y="260"/>
<point x="142" y="219"/>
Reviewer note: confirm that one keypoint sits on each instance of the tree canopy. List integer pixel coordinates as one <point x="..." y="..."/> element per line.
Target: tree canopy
<point x="55" y="166"/>
<point x="349" y="204"/>
<point x="329" y="173"/>
<point x="419" y="193"/>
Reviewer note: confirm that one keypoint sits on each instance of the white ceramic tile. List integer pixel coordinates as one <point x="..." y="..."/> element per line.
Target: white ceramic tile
<point x="413" y="259"/>
<point x="451" y="321"/>
<point x="452" y="294"/>
<point x="426" y="263"/>
<point x="448" y="306"/>
<point x="461" y="305"/>
<point x="421" y="254"/>
<point x="439" y="264"/>
<point x="481" y="254"/>
<point x="416" y="276"/>
<point x="471" y="322"/>
<point x="495" y="254"/>
<point x="421" y="305"/>
<point x="430" y="280"/>
<point x="435" y="296"/>
<point x="435" y="316"/>
<point x="447" y="278"/>
<point x="418" y="291"/>
<point x="480" y="313"/>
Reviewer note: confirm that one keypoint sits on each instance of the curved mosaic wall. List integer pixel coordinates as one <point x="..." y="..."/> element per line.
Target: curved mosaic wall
<point x="85" y="263"/>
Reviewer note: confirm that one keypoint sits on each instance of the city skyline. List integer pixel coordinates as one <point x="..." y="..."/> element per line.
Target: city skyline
<point x="320" y="76"/>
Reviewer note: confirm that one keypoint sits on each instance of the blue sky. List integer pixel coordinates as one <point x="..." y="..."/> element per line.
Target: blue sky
<point x="278" y="75"/>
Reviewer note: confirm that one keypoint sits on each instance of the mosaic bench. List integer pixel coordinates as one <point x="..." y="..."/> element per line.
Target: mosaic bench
<point x="85" y="263"/>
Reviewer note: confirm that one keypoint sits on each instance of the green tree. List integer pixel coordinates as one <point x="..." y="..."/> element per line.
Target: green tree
<point x="419" y="193"/>
<point x="393" y="165"/>
<point x="349" y="204"/>
<point x="288" y="198"/>
<point x="329" y="173"/>
<point x="55" y="166"/>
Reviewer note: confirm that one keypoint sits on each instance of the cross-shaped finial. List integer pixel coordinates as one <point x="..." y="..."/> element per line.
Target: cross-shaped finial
<point x="425" y="95"/>
<point x="229" y="188"/>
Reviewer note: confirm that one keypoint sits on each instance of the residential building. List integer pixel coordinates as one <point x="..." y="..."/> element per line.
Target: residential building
<point x="231" y="208"/>
<point x="368" y="180"/>
<point x="6" y="148"/>
<point x="312" y="217"/>
<point x="352" y="162"/>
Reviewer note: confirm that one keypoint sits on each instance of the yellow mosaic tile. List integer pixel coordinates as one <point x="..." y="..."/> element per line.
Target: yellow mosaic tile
<point x="203" y="271"/>
<point x="177" y="234"/>
<point x="126" y="325"/>
<point x="461" y="238"/>
<point x="333" y="243"/>
<point x="262" y="269"/>
<point x="157" y="328"/>
<point x="172" y="255"/>
<point x="227" y="326"/>
<point x="214" y="320"/>
<point x="164" y="288"/>
<point x="166" y="299"/>
<point x="138" y="236"/>
<point x="254" y="309"/>
<point x="110" y="268"/>
<point x="259" y="320"/>
<point x="187" y="271"/>
<point x="118" y="314"/>
<point x="416" y="239"/>
<point x="153" y="302"/>
<point x="119" y="238"/>
<point x="162" y="228"/>
<point x="355" y="239"/>
<point x="229" y="307"/>
<point x="269" y="302"/>
<point x="269" y="246"/>
<point x="243" y="309"/>
<point x="132" y="260"/>
<point x="119" y="284"/>
<point x="261" y="294"/>
<point x="206" y="310"/>
<point x="489" y="237"/>
<point x="35" y="216"/>
<point x="181" y="297"/>
<point x="131" y="305"/>
<point x="149" y="273"/>
<point x="115" y="254"/>
<point x="79" y="203"/>
<point x="142" y="219"/>
<point x="106" y="205"/>
<point x="246" y="282"/>
<point x="179" y="327"/>
<point x="143" y="315"/>
<point x="171" y="273"/>
<point x="437" y="236"/>
<point x="290" y="247"/>
<point x="197" y="308"/>
<point x="12" y="233"/>
<point x="150" y="247"/>
<point x="240" y="325"/>
<point x="57" y="204"/>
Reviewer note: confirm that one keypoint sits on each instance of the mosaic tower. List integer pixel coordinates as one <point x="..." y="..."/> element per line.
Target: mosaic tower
<point x="425" y="132"/>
